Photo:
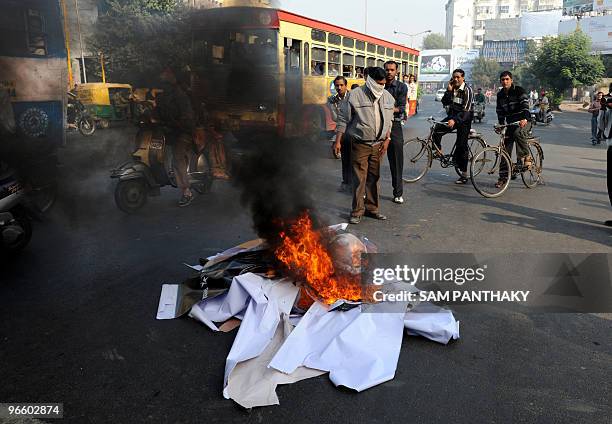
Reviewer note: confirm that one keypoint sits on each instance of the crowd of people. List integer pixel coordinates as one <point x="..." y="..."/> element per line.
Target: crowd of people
<point x="369" y="121"/>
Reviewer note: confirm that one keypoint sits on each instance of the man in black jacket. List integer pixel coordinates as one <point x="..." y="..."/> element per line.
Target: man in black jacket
<point x="395" y="153"/>
<point x="459" y="99"/>
<point x="513" y="106"/>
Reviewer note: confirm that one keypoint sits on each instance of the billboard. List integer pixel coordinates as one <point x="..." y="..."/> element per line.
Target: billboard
<point x="464" y="59"/>
<point x="600" y="5"/>
<point x="435" y="64"/>
<point x="577" y="7"/>
<point x="597" y="28"/>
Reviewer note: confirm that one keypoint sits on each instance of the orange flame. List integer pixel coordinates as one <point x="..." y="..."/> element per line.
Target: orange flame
<point x="303" y="252"/>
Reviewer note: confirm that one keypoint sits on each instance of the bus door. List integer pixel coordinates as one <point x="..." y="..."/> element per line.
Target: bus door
<point x="293" y="84"/>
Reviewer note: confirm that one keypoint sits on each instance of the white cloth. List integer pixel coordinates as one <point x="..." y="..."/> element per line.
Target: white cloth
<point x="376" y="88"/>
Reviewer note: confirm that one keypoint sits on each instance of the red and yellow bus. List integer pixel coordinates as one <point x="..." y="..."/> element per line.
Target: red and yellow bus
<point x="268" y="69"/>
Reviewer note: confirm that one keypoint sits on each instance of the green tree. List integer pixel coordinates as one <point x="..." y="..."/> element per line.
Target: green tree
<point x="565" y="62"/>
<point x="138" y="37"/>
<point x="523" y="76"/>
<point x="434" y="41"/>
<point x="485" y="72"/>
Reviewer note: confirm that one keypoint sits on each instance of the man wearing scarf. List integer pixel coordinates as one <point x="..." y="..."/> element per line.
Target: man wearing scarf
<point x="366" y="116"/>
<point x="605" y="126"/>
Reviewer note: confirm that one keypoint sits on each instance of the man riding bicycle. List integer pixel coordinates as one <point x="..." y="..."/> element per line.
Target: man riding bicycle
<point x="459" y="98"/>
<point x="513" y="106"/>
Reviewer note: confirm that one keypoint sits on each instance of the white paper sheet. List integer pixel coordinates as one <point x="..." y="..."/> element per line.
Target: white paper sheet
<point x="167" y="301"/>
<point x="252" y="383"/>
<point x="360" y="350"/>
<point x="431" y="321"/>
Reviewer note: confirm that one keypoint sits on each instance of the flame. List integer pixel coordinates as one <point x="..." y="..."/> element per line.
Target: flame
<point x="303" y="252"/>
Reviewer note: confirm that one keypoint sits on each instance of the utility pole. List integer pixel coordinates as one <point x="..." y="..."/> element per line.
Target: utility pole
<point x="76" y="5"/>
<point x="365" y="31"/>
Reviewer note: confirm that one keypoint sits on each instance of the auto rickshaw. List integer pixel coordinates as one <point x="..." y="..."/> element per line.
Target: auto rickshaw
<point x="106" y="102"/>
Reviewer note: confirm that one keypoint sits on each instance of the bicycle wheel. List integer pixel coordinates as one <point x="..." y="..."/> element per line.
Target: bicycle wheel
<point x="475" y="146"/>
<point x="485" y="169"/>
<point x="531" y="177"/>
<point x="417" y="160"/>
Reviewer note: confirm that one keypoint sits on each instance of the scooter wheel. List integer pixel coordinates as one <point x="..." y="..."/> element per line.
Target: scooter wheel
<point x="131" y="195"/>
<point x="24" y="222"/>
<point x="87" y="126"/>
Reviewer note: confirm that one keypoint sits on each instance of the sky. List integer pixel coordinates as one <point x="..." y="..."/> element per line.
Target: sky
<point x="384" y="16"/>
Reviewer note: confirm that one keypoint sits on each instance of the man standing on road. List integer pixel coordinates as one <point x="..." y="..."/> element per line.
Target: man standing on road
<point x="594" y="109"/>
<point x="605" y="126"/>
<point x="334" y="103"/>
<point x="459" y="98"/>
<point x="395" y="154"/>
<point x="544" y="105"/>
<point x="513" y="106"/>
<point x="175" y="112"/>
<point x="366" y="117"/>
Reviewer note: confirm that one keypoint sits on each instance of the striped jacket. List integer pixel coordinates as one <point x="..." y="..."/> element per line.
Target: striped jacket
<point x="460" y="103"/>
<point x="513" y="105"/>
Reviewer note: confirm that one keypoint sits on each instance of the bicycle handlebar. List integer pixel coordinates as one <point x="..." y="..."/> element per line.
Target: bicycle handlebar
<point x="433" y="121"/>
<point x="500" y="126"/>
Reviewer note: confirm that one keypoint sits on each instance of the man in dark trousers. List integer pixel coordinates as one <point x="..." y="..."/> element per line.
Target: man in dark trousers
<point x="513" y="106"/>
<point x="395" y="153"/>
<point x="334" y="103"/>
<point x="366" y="116"/>
<point x="459" y="99"/>
<point x="605" y="126"/>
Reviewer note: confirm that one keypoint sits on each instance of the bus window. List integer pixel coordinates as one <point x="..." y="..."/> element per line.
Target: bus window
<point x="371" y="62"/>
<point x="218" y="54"/>
<point x="359" y="65"/>
<point x="398" y="54"/>
<point x="348" y="42"/>
<point x="405" y="56"/>
<point x="318" y="35"/>
<point x="37" y="43"/>
<point x="371" y="48"/>
<point x="347" y="65"/>
<point x="360" y="45"/>
<point x="333" y="58"/>
<point x="292" y="56"/>
<point x="306" y="58"/>
<point x="380" y="63"/>
<point x="317" y="65"/>
<point x="334" y="39"/>
<point x="389" y="52"/>
<point x="380" y="50"/>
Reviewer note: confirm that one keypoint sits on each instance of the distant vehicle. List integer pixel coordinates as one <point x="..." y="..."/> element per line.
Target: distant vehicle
<point x="440" y="94"/>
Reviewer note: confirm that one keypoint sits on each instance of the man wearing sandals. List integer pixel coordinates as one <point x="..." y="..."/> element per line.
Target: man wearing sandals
<point x="513" y="106"/>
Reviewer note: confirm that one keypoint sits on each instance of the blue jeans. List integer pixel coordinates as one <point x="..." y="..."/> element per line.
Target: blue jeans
<point x="595" y="137"/>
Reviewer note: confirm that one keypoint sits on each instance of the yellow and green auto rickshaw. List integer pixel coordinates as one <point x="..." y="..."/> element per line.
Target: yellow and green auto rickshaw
<point x="106" y="102"/>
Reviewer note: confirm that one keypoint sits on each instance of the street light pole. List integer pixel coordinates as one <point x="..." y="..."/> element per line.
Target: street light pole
<point x="412" y="36"/>
<point x="365" y="31"/>
<point x="76" y="5"/>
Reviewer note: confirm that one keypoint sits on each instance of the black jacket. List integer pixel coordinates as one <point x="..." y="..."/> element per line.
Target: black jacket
<point x="399" y="91"/>
<point x="513" y="105"/>
<point x="460" y="105"/>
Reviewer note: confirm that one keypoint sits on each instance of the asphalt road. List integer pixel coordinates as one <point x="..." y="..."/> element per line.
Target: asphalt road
<point x="77" y="308"/>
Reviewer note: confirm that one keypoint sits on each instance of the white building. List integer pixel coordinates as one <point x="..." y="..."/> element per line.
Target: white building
<point x="465" y="19"/>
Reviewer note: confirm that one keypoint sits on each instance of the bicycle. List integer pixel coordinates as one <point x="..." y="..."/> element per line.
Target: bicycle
<point x="488" y="166"/>
<point x="419" y="153"/>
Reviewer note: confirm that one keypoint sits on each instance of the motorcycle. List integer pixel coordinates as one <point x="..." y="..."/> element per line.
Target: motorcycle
<point x="537" y="117"/>
<point x="15" y="224"/>
<point x="151" y="168"/>
<point x="78" y="116"/>
<point x="479" y="112"/>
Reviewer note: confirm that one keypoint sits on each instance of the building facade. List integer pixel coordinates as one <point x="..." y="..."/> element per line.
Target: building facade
<point x="467" y="20"/>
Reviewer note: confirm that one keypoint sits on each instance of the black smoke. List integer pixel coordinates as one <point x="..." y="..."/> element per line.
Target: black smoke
<point x="275" y="185"/>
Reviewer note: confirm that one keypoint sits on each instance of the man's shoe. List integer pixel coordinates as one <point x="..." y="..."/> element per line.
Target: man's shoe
<point x="608" y="223"/>
<point x="354" y="220"/>
<point x="462" y="180"/>
<point x="376" y="215"/>
<point x="185" y="200"/>
<point x="399" y="200"/>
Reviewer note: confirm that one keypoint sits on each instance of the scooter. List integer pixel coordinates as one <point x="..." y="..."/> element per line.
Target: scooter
<point x="151" y="168"/>
<point x="15" y="224"/>
<point x="536" y="117"/>
<point x="78" y="116"/>
<point x="479" y="112"/>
